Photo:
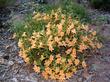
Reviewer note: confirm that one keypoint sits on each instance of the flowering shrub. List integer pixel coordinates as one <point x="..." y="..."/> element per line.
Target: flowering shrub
<point x="60" y="48"/>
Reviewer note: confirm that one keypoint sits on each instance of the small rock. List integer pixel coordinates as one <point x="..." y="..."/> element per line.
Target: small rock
<point x="95" y="67"/>
<point x="79" y="73"/>
<point x="80" y="79"/>
<point x="33" y="77"/>
<point x="89" y="78"/>
<point x="19" y="60"/>
<point x="1" y="53"/>
<point x="14" y="48"/>
<point x="14" y="80"/>
<point x="10" y="63"/>
<point x="2" y="61"/>
<point x="3" y="69"/>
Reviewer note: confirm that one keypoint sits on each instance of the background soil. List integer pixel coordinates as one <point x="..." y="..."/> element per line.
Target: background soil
<point x="13" y="68"/>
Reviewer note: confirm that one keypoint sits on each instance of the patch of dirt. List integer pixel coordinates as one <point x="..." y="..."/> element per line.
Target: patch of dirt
<point x="100" y="62"/>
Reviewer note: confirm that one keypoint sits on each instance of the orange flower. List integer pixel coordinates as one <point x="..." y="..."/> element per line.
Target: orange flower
<point x="74" y="40"/>
<point x="63" y="16"/>
<point x="22" y="53"/>
<point x="69" y="51"/>
<point x="91" y="44"/>
<point x="69" y="28"/>
<point x="24" y="34"/>
<point x="82" y="47"/>
<point x="20" y="43"/>
<point x="68" y="75"/>
<point x="76" y="62"/>
<point x="24" y="56"/>
<point x="35" y="34"/>
<point x="48" y="32"/>
<point x="62" y="21"/>
<point x="56" y="15"/>
<point x="52" y="76"/>
<point x="59" y="43"/>
<point x="57" y="69"/>
<point x="14" y="36"/>
<point x="48" y="25"/>
<point x="46" y="17"/>
<point x="33" y="43"/>
<point x="84" y="64"/>
<point x="51" y="58"/>
<point x="61" y="34"/>
<point x="36" y="16"/>
<point x="58" y="60"/>
<point x="73" y="31"/>
<point x="68" y="31"/>
<point x="94" y="33"/>
<point x="61" y="72"/>
<point x="67" y="40"/>
<point x="48" y="70"/>
<point x="42" y="57"/>
<point x="72" y="25"/>
<point x="50" y="45"/>
<point x="47" y="63"/>
<point x="57" y="39"/>
<point x="64" y="43"/>
<point x="73" y="54"/>
<point x="71" y="43"/>
<point x="40" y="45"/>
<point x="36" y="69"/>
<point x="57" y="76"/>
<point x="59" y="28"/>
<point x="45" y="75"/>
<point x="51" y="48"/>
<point x="85" y="27"/>
<point x="50" y="39"/>
<point x="26" y="59"/>
<point x="70" y="62"/>
<point x="58" y="56"/>
<point x="84" y="38"/>
<point x="99" y="45"/>
<point x="74" y="70"/>
<point x="62" y="75"/>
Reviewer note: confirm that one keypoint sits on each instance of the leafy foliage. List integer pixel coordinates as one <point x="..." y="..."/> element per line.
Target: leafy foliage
<point x="69" y="7"/>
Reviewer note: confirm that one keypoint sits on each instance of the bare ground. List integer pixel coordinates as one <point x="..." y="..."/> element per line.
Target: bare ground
<point x="13" y="68"/>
